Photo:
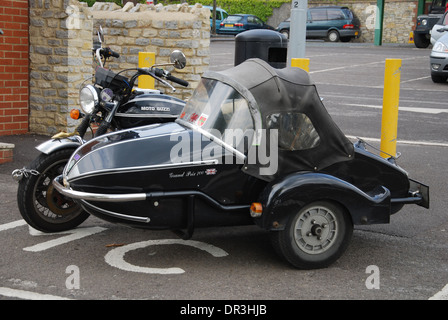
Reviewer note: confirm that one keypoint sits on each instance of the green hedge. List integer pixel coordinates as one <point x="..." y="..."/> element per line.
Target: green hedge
<point x="261" y="8"/>
<point x="91" y="2"/>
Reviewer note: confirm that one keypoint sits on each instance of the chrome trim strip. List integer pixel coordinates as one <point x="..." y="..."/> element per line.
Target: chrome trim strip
<point x="117" y="215"/>
<point x="144" y="115"/>
<point x="168" y="101"/>
<point x="79" y="195"/>
<point x="144" y="168"/>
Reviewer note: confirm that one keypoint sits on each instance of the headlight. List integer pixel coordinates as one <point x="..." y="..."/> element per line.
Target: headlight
<point x="440" y="47"/>
<point x="88" y="98"/>
<point x="424" y="22"/>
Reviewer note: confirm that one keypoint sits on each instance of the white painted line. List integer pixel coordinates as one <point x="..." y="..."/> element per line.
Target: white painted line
<point x="359" y="65"/>
<point x="409" y="109"/>
<point x="434" y="89"/>
<point x="224" y="65"/>
<point x="416" y="143"/>
<point x="12" y="225"/>
<point x="416" y="79"/>
<point x="441" y="295"/>
<point x="330" y="69"/>
<point x="28" y="295"/>
<point x="346" y="67"/>
<point x="379" y="99"/>
<point x="221" y="54"/>
<point x="74" y="234"/>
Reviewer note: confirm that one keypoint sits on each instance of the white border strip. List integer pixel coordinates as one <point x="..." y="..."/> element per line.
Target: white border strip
<point x="441" y="295"/>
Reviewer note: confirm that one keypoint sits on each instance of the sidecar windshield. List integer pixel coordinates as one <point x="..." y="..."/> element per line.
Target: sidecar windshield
<point x="277" y="112"/>
<point x="219" y="110"/>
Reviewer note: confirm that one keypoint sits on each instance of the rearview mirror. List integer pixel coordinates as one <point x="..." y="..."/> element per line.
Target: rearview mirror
<point x="178" y="59"/>
<point x="100" y="34"/>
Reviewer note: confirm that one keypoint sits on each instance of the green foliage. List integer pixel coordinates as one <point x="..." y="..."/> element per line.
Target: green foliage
<point x="91" y="2"/>
<point x="261" y="8"/>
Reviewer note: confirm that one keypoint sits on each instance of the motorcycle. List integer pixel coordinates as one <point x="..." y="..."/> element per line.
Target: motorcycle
<point x="253" y="145"/>
<point x="111" y="103"/>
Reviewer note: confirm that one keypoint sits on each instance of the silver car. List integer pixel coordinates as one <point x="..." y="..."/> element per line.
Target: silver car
<point x="439" y="28"/>
<point x="439" y="60"/>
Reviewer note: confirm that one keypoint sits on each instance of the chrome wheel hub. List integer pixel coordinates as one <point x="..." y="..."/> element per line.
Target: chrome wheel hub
<point x="315" y="230"/>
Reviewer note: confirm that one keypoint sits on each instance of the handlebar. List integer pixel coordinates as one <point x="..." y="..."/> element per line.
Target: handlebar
<point x="153" y="72"/>
<point x="108" y="52"/>
<point x="177" y="80"/>
<point x="163" y="74"/>
<point x="105" y="53"/>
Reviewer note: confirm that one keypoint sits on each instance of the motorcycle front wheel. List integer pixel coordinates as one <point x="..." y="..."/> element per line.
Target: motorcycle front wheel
<point x="40" y="205"/>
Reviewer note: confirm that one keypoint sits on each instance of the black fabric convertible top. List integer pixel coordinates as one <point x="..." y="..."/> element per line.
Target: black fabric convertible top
<point x="286" y="99"/>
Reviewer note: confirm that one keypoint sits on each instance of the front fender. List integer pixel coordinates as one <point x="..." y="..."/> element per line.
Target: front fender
<point x="53" y="145"/>
<point x="282" y="198"/>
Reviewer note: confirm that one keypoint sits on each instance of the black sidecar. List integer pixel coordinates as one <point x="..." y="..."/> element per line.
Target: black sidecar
<point x="254" y="144"/>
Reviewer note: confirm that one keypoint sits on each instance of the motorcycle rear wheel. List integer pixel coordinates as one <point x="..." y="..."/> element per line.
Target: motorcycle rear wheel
<point x="40" y="205"/>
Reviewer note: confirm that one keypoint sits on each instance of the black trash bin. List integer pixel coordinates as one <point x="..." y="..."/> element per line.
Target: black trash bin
<point x="268" y="45"/>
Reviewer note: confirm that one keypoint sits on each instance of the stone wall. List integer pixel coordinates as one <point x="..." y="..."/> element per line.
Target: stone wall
<point x="159" y="29"/>
<point x="61" y="34"/>
<point x="398" y="21"/>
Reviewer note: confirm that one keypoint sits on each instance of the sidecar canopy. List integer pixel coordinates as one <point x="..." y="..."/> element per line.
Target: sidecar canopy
<point x="281" y="102"/>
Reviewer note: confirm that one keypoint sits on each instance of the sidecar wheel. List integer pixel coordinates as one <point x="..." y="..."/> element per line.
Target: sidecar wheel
<point x="40" y="205"/>
<point x="315" y="237"/>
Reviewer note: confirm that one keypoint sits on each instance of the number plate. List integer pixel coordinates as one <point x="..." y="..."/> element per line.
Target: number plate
<point x="228" y="25"/>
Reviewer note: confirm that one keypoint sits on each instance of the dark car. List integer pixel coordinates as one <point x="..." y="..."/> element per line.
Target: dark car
<point x="253" y="145"/>
<point x="332" y="23"/>
<point x="425" y="22"/>
<point x="237" y="23"/>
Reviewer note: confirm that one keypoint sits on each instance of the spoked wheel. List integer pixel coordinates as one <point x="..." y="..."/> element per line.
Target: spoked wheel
<point x="40" y="204"/>
<point x="314" y="237"/>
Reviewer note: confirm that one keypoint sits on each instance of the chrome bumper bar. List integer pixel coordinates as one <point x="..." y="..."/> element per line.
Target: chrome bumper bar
<point x="128" y="197"/>
<point x="79" y="195"/>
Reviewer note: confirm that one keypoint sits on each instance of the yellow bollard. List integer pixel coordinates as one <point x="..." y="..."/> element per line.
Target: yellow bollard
<point x="146" y="60"/>
<point x="302" y="63"/>
<point x="391" y="96"/>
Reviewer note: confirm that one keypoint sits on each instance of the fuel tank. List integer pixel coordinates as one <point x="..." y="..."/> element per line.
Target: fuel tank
<point x="148" y="108"/>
